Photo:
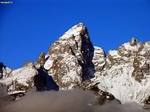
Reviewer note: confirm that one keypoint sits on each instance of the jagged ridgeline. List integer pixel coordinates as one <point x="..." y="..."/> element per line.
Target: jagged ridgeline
<point x="73" y="62"/>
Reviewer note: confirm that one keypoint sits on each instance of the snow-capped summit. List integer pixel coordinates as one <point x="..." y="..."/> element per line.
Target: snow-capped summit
<point x="75" y="30"/>
<point x="133" y="42"/>
<point x="73" y="62"/>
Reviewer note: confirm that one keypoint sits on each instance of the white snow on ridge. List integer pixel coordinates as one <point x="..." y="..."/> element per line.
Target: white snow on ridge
<point x="73" y="31"/>
<point x="114" y="54"/>
<point x="71" y="76"/>
<point x="146" y="48"/>
<point x="21" y="75"/>
<point x="128" y="47"/>
<point x="98" y="58"/>
<point x="48" y="64"/>
<point x="6" y="71"/>
<point x="122" y="85"/>
<point x="98" y="49"/>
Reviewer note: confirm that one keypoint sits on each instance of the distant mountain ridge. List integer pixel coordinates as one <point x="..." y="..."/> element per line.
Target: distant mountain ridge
<point x="73" y="62"/>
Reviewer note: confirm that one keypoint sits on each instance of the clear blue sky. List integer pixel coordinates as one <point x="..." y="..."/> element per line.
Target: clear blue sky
<point x="28" y="27"/>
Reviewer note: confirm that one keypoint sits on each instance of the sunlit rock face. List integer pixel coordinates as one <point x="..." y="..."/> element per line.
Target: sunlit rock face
<point x="73" y="62"/>
<point x="72" y="58"/>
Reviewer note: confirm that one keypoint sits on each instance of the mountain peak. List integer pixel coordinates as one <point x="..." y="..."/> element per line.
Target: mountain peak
<point x="74" y="46"/>
<point x="76" y="30"/>
<point x="133" y="41"/>
<point x="41" y="60"/>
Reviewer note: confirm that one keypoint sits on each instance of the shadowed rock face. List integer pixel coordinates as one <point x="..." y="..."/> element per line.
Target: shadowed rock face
<point x="1" y="70"/>
<point x="4" y="71"/>
<point x="43" y="81"/>
<point x="87" y="51"/>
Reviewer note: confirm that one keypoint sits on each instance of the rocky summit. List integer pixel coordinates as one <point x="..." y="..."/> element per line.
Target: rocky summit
<point x="74" y="62"/>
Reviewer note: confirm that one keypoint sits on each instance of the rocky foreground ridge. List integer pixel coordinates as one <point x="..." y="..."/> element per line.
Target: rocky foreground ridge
<point x="73" y="62"/>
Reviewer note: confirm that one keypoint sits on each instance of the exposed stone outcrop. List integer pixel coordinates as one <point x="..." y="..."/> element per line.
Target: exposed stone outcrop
<point x="40" y="61"/>
<point x="72" y="57"/>
<point x="4" y="71"/>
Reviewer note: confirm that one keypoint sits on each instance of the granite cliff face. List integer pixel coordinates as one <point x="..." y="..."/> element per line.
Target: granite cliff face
<point x="73" y="62"/>
<point x="72" y="57"/>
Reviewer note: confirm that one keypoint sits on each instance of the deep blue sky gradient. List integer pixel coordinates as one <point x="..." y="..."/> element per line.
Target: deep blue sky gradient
<point x="28" y="27"/>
